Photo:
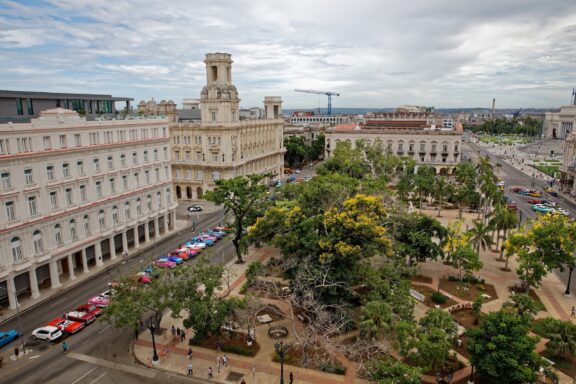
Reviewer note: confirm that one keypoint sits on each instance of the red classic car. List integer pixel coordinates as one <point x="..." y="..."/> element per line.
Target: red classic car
<point x="67" y="326"/>
<point x="81" y="317"/>
<point x="89" y="308"/>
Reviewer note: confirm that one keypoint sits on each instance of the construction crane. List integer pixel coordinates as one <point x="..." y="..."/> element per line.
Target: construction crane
<point x="327" y="93"/>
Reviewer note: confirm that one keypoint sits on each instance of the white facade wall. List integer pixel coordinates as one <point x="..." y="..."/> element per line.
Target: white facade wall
<point x="68" y="184"/>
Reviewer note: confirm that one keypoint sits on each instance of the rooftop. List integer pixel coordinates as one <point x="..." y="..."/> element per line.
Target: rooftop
<point x="51" y="95"/>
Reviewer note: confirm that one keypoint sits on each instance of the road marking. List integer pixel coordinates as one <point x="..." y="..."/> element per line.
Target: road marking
<point x="84" y="375"/>
<point x="34" y="357"/>
<point x="98" y="378"/>
<point x="109" y="364"/>
<point x="103" y="329"/>
<point x="57" y="302"/>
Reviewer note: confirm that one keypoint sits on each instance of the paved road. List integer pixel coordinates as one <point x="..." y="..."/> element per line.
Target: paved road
<point x="513" y="176"/>
<point x="99" y="353"/>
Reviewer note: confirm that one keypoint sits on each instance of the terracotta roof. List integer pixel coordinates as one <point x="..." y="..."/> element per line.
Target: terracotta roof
<point x="345" y="127"/>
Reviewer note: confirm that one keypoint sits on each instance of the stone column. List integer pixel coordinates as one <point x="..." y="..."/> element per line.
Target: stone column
<point x="71" y="268"/>
<point x="164" y="223"/>
<point x="112" y="248"/>
<point x="33" y="283"/>
<point x="136" y="237"/>
<point x="54" y="277"/>
<point x="11" y="288"/>
<point x="98" y="252"/>
<point x="124" y="242"/>
<point x="85" y="261"/>
<point x="156" y="229"/>
<point x="146" y="232"/>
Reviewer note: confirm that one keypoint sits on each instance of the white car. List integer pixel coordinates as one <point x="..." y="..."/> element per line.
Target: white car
<point x="108" y="294"/>
<point x="47" y="333"/>
<point x="563" y="211"/>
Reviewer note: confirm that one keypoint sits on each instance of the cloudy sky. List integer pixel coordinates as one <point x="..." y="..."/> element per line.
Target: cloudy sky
<point x="376" y="53"/>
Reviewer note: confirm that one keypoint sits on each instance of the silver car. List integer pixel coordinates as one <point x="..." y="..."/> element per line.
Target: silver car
<point x="47" y="333"/>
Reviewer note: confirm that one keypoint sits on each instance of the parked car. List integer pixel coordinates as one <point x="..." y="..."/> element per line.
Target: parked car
<point x="151" y="271"/>
<point x="562" y="211"/>
<point x="541" y="208"/>
<point x="81" y="317"/>
<point x="533" y="200"/>
<point x="223" y="229"/>
<point x="194" y="246"/>
<point x="200" y="240"/>
<point x="48" y="333"/>
<point x="108" y="293"/>
<point x="99" y="301"/>
<point x="534" y="193"/>
<point x="174" y="259"/>
<point x="216" y="234"/>
<point x="165" y="264"/>
<point x="90" y="308"/>
<point x="143" y="278"/>
<point x="551" y="191"/>
<point x="516" y="189"/>
<point x="195" y="208"/>
<point x="67" y="326"/>
<point x="205" y="236"/>
<point x="7" y="337"/>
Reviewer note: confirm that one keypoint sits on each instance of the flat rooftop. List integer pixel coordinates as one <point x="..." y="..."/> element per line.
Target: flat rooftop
<point x="52" y="95"/>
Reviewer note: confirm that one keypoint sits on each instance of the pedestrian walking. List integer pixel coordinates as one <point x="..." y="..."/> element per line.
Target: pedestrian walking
<point x="242" y="381"/>
<point x="189" y="353"/>
<point x="178" y="333"/>
<point x="16" y="352"/>
<point x="65" y="347"/>
<point x="291" y="377"/>
<point x="225" y="361"/>
<point x="573" y="311"/>
<point x="182" y="335"/>
<point x="173" y="331"/>
<point x="190" y="369"/>
<point x="219" y="362"/>
<point x="210" y="373"/>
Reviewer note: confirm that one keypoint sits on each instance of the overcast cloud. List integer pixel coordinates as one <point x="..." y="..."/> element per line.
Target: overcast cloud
<point x="376" y="53"/>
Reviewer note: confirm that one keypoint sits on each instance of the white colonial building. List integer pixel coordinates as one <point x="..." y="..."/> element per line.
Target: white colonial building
<point x="74" y="193"/>
<point x="559" y="125"/>
<point x="221" y="145"/>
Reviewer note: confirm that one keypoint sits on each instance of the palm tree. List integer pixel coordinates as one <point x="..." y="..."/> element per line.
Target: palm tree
<point x="562" y="339"/>
<point x="376" y="317"/>
<point x="481" y="238"/>
<point x="440" y="189"/>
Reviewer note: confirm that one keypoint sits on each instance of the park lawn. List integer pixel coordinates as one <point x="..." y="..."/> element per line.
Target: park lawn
<point x="427" y="292"/>
<point x="458" y="289"/>
<point x="550" y="170"/>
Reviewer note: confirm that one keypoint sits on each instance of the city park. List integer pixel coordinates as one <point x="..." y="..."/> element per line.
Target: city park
<point x="374" y="272"/>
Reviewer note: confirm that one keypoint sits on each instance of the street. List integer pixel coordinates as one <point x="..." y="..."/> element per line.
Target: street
<point x="513" y="176"/>
<point x="100" y="353"/>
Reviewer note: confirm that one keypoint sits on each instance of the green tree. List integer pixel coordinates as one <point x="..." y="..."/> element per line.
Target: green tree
<point x="316" y="150"/>
<point x="376" y="319"/>
<point x="440" y="189"/>
<point x="196" y="294"/>
<point x="562" y="335"/>
<point x="503" y="220"/>
<point x="389" y="371"/>
<point x="477" y="308"/>
<point x="239" y="195"/>
<point x="417" y="236"/>
<point x="437" y="331"/>
<point x="502" y="351"/>
<point x="546" y="245"/>
<point x="522" y="305"/>
<point x="480" y="236"/>
<point x="346" y="160"/>
<point x="296" y="150"/>
<point x="465" y="260"/>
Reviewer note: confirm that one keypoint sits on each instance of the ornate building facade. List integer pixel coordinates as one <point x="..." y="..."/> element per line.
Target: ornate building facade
<point x="221" y="146"/>
<point x="75" y="193"/>
<point x="559" y="125"/>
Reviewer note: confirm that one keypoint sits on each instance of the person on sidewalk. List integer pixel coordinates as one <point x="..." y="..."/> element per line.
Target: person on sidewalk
<point x="16" y="352"/>
<point x="219" y="362"/>
<point x="173" y="331"/>
<point x="210" y="373"/>
<point x="573" y="311"/>
<point x="291" y="377"/>
<point x="182" y="335"/>
<point x="65" y="347"/>
<point x="190" y="352"/>
<point x="178" y="333"/>
<point x="225" y="361"/>
<point x="190" y="369"/>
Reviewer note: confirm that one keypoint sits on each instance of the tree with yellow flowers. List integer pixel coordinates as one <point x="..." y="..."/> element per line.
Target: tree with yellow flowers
<point x="546" y="245"/>
<point x="459" y="252"/>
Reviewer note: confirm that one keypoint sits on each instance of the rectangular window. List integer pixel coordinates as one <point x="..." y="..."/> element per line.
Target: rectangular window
<point x="6" y="180"/>
<point x="215" y="176"/>
<point x="166" y="173"/>
<point x="123" y="160"/>
<point x="165" y="153"/>
<point x="147" y="173"/>
<point x="98" y="189"/>
<point x="155" y="154"/>
<point x="137" y="178"/>
<point x="125" y="182"/>
<point x="4" y="146"/>
<point x="10" y="211"/>
<point x="215" y="158"/>
<point x="62" y="141"/>
<point x="19" y="109"/>
<point x="177" y="175"/>
<point x="83" y="193"/>
<point x="112" y="186"/>
<point x="77" y="140"/>
<point x="96" y="165"/>
<point x="145" y="156"/>
<point x="199" y="156"/>
<point x="28" y="176"/>
<point x="200" y="175"/>
<point x="80" y="167"/>
<point x="50" y="172"/>
<point x="29" y="107"/>
<point x="53" y="200"/>
<point x="134" y="158"/>
<point x="69" y="197"/>
<point x="47" y="143"/>
<point x="187" y="155"/>
<point x="177" y="155"/>
<point x="32" y="205"/>
<point x="110" y="162"/>
<point x="66" y="170"/>
<point x="157" y="172"/>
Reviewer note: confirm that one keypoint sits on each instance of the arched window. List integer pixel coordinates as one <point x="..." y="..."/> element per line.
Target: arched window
<point x="58" y="235"/>
<point x="127" y="211"/>
<point x="138" y="206"/>
<point x="87" y="229"/>
<point x="149" y="203"/>
<point x="38" y="242"/>
<point x="115" y="214"/>
<point x="158" y="200"/>
<point x="102" y="219"/>
<point x="73" y="230"/>
<point x="16" y="246"/>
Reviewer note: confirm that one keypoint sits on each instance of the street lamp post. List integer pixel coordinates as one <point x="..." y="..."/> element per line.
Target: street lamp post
<point x="281" y="350"/>
<point x="152" y="327"/>
<point x="19" y="319"/>
<point x="567" y="292"/>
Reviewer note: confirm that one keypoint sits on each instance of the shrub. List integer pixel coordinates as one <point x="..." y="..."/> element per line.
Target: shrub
<point x="467" y="279"/>
<point x="244" y="288"/>
<point x="438" y="298"/>
<point x="244" y="351"/>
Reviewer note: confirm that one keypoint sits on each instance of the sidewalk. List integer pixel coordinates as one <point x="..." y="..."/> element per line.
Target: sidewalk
<point x="173" y="354"/>
<point x="27" y="303"/>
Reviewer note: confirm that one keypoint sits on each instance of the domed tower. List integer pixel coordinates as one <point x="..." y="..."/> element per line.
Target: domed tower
<point x="219" y="98"/>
